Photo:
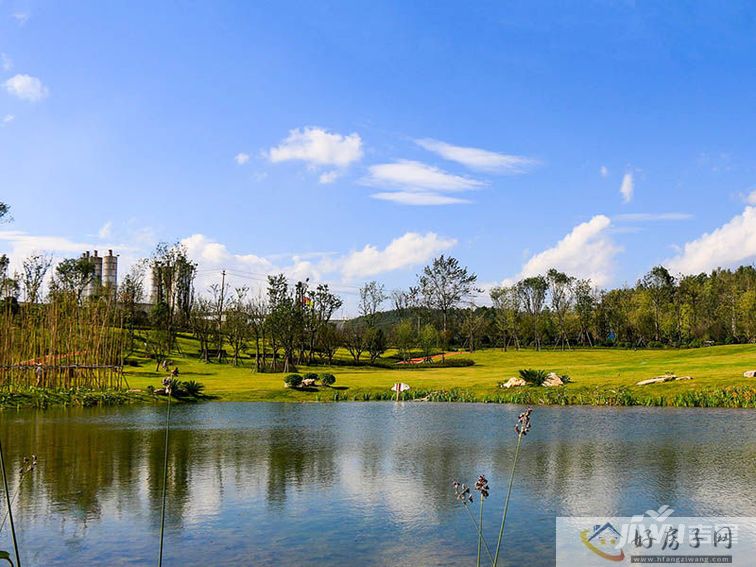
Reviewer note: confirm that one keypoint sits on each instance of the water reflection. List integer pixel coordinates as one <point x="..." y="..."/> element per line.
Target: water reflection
<point x="346" y="484"/>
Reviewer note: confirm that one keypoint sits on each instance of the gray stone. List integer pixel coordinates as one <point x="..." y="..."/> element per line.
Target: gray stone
<point x="749" y="374"/>
<point x="514" y="381"/>
<point x="553" y="379"/>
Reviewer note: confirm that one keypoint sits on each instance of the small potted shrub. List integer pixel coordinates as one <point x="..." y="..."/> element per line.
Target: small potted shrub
<point x="327" y="380"/>
<point x="293" y="381"/>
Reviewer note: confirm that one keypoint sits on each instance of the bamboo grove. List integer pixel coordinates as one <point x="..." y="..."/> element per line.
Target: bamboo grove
<point x="62" y="343"/>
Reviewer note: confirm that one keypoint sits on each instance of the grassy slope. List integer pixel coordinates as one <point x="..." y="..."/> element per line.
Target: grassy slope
<point x="713" y="367"/>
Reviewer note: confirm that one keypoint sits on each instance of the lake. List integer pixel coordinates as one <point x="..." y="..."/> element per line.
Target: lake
<point x="355" y="483"/>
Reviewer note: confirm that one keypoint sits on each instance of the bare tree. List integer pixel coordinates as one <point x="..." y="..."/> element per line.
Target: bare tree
<point x="508" y="310"/>
<point x="202" y="323"/>
<point x="372" y="296"/>
<point x="560" y="286"/>
<point x="35" y="268"/>
<point x="532" y="292"/>
<point x="236" y="325"/>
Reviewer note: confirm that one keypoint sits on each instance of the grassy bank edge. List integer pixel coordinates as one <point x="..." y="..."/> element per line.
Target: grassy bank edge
<point x="726" y="397"/>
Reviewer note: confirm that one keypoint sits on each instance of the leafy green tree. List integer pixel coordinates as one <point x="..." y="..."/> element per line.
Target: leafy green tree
<point x="74" y="275"/>
<point x="532" y="292"/>
<point x="444" y="284"/>
<point x="428" y="340"/>
<point x="405" y="338"/>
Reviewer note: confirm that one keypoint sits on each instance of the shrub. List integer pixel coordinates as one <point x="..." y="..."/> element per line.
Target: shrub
<point x="327" y="379"/>
<point x="532" y="376"/>
<point x="150" y="389"/>
<point x="192" y="388"/>
<point x="566" y="378"/>
<point x="311" y="376"/>
<point x="293" y="380"/>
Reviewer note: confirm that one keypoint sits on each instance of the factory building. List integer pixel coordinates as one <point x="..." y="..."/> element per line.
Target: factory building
<point x="105" y="273"/>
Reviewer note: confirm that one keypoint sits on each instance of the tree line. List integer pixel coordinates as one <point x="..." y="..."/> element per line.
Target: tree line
<point x="291" y="323"/>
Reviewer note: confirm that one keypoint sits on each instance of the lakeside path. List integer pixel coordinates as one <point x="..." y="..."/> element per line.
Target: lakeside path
<point x="599" y="376"/>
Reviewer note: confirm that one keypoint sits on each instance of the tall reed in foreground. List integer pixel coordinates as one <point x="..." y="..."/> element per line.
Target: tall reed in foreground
<point x="463" y="494"/>
<point x="168" y="383"/>
<point x="8" y="503"/>
<point x="521" y="428"/>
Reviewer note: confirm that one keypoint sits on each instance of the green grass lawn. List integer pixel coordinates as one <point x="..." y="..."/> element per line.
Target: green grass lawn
<point x="713" y="368"/>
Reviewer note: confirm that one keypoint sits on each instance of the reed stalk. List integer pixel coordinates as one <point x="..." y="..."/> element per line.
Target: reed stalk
<point x="165" y="476"/>
<point x="9" y="504"/>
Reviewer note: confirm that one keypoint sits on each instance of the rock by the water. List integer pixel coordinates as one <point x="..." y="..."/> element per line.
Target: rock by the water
<point x="665" y="378"/>
<point x="553" y="379"/>
<point x="307" y="382"/>
<point x="514" y="381"/>
<point x="749" y="374"/>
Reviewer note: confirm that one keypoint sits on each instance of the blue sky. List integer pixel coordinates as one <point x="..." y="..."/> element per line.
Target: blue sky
<point x="356" y="140"/>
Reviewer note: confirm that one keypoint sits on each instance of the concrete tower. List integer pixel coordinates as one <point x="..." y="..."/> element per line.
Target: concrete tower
<point x="110" y="272"/>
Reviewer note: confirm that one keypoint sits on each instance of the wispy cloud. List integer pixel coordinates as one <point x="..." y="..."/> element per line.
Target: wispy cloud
<point x="21" y="17"/>
<point x="751" y="198"/>
<point x="417" y="175"/>
<point x="8" y="118"/>
<point x="6" y="62"/>
<point x="652" y="217"/>
<point x="105" y="230"/>
<point x="418" y="198"/>
<point x="628" y="187"/>
<point x="587" y="251"/>
<point x="329" y="176"/>
<point x="477" y="158"/>
<point x="26" y="88"/>
<point x="241" y="158"/>
<point x="604" y="171"/>
<point x="417" y="183"/>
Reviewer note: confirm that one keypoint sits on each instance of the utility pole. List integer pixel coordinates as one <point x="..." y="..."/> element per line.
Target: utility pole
<point x="220" y="314"/>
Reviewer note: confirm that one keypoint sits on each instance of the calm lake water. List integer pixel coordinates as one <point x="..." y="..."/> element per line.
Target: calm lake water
<point x="356" y="483"/>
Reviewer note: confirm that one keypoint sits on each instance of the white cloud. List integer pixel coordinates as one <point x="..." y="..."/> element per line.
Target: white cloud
<point x="650" y="217"/>
<point x="586" y="252"/>
<point x="751" y="199"/>
<point x="627" y="187"/>
<point x="403" y="252"/>
<point x="318" y="147"/>
<point x="26" y="88"/>
<point x="105" y="230"/>
<point x="416" y="175"/>
<point x="418" y="198"/>
<point x="731" y="244"/>
<point x="476" y="158"/>
<point x="8" y="118"/>
<point x="329" y="176"/>
<point x="417" y="183"/>
<point x="241" y="158"/>
<point x="21" y="17"/>
<point x="406" y="251"/>
<point x="604" y="171"/>
<point x="6" y="62"/>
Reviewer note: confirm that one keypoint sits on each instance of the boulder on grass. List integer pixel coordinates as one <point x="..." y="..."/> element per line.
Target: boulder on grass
<point x="665" y="378"/>
<point x="308" y="382"/>
<point x="514" y="381"/>
<point x="749" y="374"/>
<point x="553" y="379"/>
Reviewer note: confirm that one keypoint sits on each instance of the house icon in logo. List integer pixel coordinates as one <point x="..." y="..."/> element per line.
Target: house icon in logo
<point x="602" y="541"/>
